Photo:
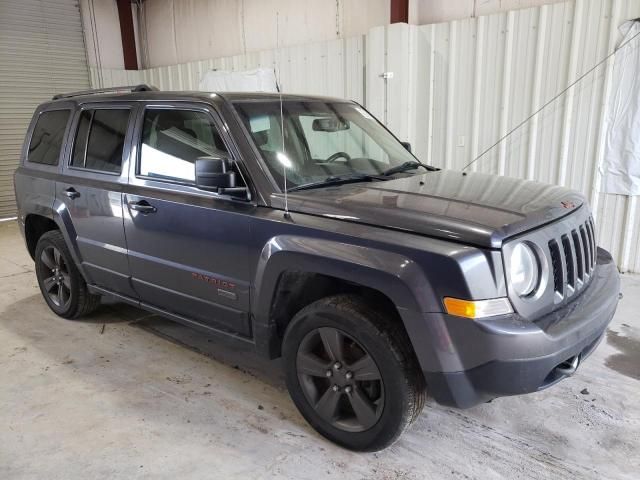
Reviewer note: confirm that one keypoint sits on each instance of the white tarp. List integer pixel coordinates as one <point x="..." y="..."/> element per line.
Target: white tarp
<point x="258" y="80"/>
<point x="621" y="164"/>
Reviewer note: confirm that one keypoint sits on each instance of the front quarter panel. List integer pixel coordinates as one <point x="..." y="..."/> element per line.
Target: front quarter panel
<point x="414" y="272"/>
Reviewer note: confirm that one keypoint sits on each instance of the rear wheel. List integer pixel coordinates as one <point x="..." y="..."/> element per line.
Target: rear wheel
<point x="61" y="284"/>
<point x="351" y="373"/>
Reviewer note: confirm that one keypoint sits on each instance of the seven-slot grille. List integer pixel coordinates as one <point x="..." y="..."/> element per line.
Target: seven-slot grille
<point x="573" y="258"/>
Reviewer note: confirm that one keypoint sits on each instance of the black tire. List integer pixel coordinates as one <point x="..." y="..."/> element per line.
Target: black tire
<point x="61" y="284"/>
<point x="397" y="398"/>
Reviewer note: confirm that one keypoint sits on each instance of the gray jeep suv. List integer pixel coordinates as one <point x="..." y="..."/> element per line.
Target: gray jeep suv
<point x="302" y="226"/>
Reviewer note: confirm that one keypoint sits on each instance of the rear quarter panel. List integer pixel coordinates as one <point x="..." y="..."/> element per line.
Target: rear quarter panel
<point x="34" y="184"/>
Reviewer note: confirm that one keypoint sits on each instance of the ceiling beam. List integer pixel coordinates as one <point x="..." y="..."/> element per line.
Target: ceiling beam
<point x="128" y="36"/>
<point x="399" y="11"/>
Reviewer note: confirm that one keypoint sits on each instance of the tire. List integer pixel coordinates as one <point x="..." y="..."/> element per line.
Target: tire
<point x="61" y="284"/>
<point x="362" y="340"/>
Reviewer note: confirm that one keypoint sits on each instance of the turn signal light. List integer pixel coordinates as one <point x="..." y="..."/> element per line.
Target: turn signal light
<point x="477" y="308"/>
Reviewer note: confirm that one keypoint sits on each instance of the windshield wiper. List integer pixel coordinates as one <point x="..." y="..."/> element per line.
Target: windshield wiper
<point x="403" y="167"/>
<point x="337" y="180"/>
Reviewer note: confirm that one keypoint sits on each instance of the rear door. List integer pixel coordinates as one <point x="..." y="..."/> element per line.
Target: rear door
<point x="91" y="190"/>
<point x="188" y="248"/>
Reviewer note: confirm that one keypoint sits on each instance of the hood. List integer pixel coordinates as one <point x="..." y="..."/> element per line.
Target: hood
<point x="475" y="208"/>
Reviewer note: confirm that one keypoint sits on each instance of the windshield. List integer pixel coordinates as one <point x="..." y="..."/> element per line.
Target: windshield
<point x="322" y="140"/>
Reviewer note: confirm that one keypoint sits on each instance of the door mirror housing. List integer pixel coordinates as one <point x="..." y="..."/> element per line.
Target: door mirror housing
<point x="406" y="145"/>
<point x="214" y="173"/>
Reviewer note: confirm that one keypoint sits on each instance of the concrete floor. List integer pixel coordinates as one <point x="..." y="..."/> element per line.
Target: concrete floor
<point x="123" y="394"/>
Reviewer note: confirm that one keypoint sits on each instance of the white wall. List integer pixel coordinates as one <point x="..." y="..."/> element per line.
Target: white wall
<point x="102" y="33"/>
<point x="433" y="11"/>
<point x="459" y="86"/>
<point x="334" y="68"/>
<point x="180" y="31"/>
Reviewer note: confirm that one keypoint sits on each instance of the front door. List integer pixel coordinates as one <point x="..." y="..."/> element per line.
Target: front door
<point x="188" y="248"/>
<point x="91" y="190"/>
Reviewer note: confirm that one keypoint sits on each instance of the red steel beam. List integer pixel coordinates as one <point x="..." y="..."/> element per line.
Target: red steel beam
<point x="127" y="34"/>
<point x="399" y="11"/>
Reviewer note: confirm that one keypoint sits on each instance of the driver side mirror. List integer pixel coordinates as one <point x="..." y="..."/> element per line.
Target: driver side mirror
<point x="406" y="145"/>
<point x="215" y="174"/>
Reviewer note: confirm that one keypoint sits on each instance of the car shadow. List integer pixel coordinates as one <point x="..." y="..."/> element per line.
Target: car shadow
<point x="218" y="347"/>
<point x="232" y="353"/>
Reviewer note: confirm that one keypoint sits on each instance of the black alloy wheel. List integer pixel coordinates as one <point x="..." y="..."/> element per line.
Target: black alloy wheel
<point x="57" y="285"/>
<point x="61" y="283"/>
<point x="340" y="379"/>
<point x="351" y="371"/>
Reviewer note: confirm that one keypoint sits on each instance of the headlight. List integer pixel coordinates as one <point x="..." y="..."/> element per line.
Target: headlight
<point x="525" y="273"/>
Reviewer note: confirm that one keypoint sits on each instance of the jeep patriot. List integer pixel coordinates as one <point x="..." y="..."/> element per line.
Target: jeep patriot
<point x="302" y="226"/>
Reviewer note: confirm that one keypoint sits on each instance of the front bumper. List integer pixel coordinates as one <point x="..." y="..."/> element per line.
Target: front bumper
<point x="507" y="355"/>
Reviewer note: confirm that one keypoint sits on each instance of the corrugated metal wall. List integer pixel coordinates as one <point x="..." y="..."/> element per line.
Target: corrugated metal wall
<point x="329" y="68"/>
<point x="41" y="53"/>
<point x="458" y="87"/>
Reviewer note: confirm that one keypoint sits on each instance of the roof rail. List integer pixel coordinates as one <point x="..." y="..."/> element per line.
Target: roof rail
<point x="131" y="88"/>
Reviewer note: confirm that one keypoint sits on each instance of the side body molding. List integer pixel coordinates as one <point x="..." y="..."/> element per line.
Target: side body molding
<point x="393" y="274"/>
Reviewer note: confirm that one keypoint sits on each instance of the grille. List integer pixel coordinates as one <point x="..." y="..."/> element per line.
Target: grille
<point x="556" y="265"/>
<point x="568" y="255"/>
<point x="573" y="258"/>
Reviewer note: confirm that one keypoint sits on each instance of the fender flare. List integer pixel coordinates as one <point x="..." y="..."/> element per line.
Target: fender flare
<point x="390" y="273"/>
<point x="61" y="216"/>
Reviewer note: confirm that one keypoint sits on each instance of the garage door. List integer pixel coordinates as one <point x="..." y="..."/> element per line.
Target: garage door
<point x="41" y="53"/>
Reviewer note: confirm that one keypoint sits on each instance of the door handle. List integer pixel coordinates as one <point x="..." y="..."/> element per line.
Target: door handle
<point x="142" y="206"/>
<point x="71" y="193"/>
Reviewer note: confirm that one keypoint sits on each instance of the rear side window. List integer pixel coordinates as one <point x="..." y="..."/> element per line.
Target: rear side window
<point x="173" y="139"/>
<point x="99" y="141"/>
<point x="47" y="137"/>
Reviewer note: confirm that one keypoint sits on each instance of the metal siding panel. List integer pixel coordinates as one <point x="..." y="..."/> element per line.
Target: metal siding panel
<point x="458" y="86"/>
<point x="464" y="85"/>
<point x="440" y="83"/>
<point x="398" y="39"/>
<point x="376" y="66"/>
<point x="41" y="53"/>
<point x="354" y="69"/>
<point x="521" y="91"/>
<point x="423" y="99"/>
<point x="451" y="101"/>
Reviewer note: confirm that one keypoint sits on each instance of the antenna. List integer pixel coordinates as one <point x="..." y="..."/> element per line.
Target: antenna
<point x="284" y="159"/>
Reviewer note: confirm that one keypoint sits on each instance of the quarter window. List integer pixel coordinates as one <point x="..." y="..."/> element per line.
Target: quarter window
<point x="99" y="142"/>
<point x="172" y="140"/>
<point x="46" y="140"/>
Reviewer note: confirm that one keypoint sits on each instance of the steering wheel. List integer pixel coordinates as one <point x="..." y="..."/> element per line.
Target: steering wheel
<point x="338" y="155"/>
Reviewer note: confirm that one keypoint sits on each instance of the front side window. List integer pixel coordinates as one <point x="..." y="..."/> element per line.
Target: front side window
<point x="321" y="140"/>
<point x="99" y="141"/>
<point x="46" y="141"/>
<point x="172" y="140"/>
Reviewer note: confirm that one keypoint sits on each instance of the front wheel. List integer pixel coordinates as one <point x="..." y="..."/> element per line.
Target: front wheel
<point x="351" y="373"/>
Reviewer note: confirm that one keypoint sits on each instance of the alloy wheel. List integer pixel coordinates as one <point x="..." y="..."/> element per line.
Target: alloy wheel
<point x="340" y="379"/>
<point x="56" y="281"/>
